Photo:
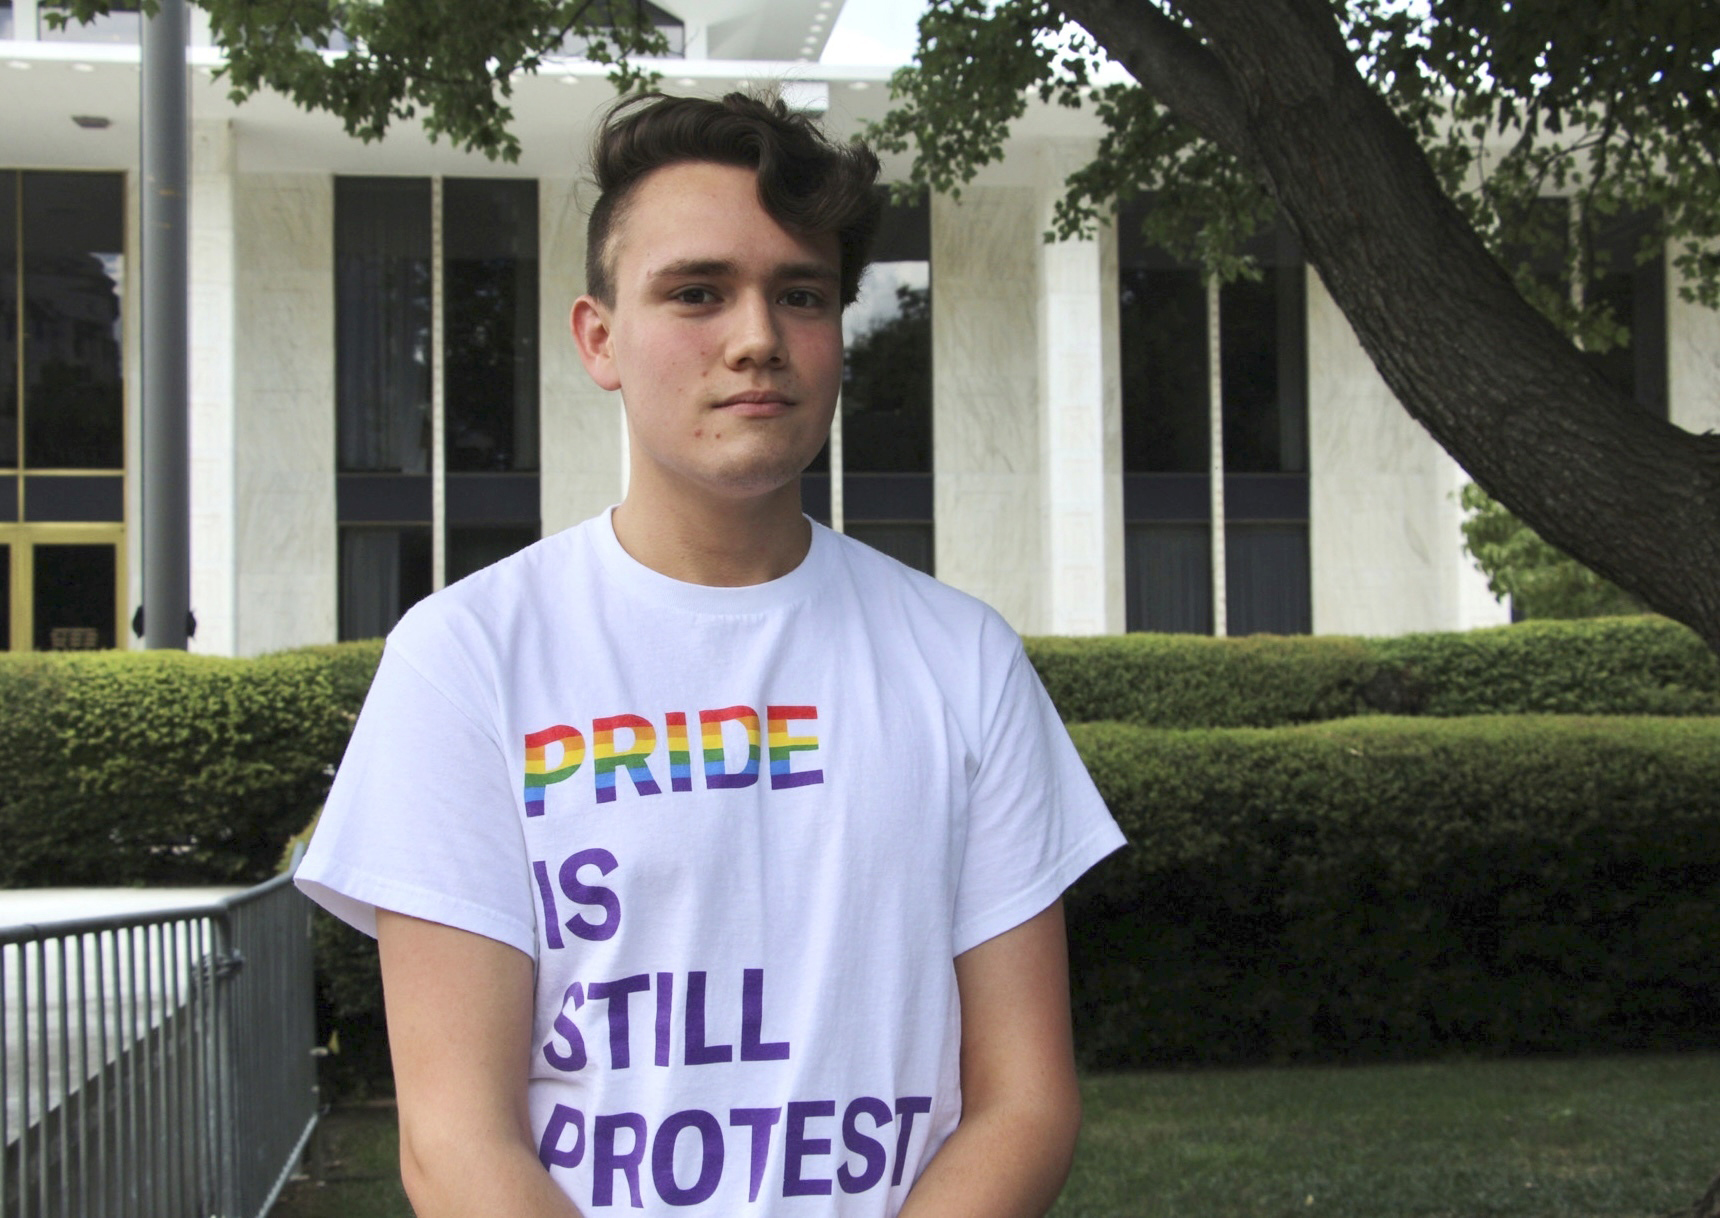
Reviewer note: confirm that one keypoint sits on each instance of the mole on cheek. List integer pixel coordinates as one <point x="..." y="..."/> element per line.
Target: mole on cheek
<point x="698" y="431"/>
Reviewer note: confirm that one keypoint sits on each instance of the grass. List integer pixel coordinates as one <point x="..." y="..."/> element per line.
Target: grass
<point x="360" y="1167"/>
<point x="1613" y="1137"/>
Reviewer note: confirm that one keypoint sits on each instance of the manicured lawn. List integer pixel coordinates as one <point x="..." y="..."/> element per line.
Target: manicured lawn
<point x="361" y="1170"/>
<point x="1611" y="1137"/>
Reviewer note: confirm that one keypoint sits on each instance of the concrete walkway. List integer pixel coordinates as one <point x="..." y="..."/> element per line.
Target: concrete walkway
<point x="117" y="985"/>
<point x="22" y="906"/>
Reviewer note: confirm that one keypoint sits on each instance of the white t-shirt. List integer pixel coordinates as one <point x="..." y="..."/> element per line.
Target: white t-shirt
<point x="743" y="833"/>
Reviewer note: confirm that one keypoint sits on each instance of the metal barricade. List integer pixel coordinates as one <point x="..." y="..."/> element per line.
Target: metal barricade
<point x="157" y="1065"/>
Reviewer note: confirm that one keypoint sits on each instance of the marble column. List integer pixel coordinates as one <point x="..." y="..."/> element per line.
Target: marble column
<point x="987" y="436"/>
<point x="213" y="484"/>
<point x="1693" y="361"/>
<point x="284" y="441"/>
<point x="1384" y="545"/>
<point x="1081" y="414"/>
<point x="582" y="438"/>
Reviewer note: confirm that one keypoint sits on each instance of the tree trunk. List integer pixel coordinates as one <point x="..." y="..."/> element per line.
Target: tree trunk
<point x="1505" y="393"/>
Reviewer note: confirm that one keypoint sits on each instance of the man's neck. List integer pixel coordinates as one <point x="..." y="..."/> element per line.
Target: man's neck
<point x="722" y="543"/>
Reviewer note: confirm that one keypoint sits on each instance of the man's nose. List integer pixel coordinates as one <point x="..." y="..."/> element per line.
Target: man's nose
<point x="757" y="334"/>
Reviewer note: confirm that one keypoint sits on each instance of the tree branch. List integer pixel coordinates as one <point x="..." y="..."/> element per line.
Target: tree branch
<point x="1172" y="65"/>
<point x="1629" y="495"/>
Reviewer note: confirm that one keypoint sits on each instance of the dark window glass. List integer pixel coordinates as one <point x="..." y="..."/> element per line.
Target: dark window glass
<point x="121" y="23"/>
<point x="1162" y="330"/>
<point x="472" y="549"/>
<point x="1261" y="338"/>
<point x="1266" y="579"/>
<point x="490" y="302"/>
<point x="1169" y="578"/>
<point x="1635" y="292"/>
<point x="887" y="372"/>
<point x="74" y="595"/>
<point x="5" y="598"/>
<point x="887" y="375"/>
<point x="383" y="573"/>
<point x="6" y="26"/>
<point x="382" y="324"/>
<point x="8" y="319"/>
<point x="73" y="243"/>
<point x="911" y="544"/>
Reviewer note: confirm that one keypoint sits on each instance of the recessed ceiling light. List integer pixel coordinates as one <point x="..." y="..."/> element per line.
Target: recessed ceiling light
<point x="570" y="80"/>
<point x="858" y="85"/>
<point x="686" y="82"/>
<point x="18" y="64"/>
<point x="83" y="67"/>
<point x="92" y="122"/>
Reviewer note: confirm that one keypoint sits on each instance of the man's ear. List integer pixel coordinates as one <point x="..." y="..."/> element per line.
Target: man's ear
<point x="590" y="324"/>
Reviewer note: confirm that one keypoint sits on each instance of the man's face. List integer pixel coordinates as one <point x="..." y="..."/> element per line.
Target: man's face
<point x="725" y="336"/>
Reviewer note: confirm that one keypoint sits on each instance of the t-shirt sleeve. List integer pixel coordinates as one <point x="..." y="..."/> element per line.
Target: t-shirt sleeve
<point x="1035" y="823"/>
<point x="421" y="819"/>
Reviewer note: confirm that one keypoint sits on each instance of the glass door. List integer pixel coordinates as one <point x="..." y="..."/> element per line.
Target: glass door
<point x="61" y="588"/>
<point x="73" y="596"/>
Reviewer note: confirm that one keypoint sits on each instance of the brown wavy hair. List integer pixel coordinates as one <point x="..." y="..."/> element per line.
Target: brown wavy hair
<point x="807" y="182"/>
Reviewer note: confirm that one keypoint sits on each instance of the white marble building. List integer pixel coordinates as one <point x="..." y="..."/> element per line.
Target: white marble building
<point x="1039" y="488"/>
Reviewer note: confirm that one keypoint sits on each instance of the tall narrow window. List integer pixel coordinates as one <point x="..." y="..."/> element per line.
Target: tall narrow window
<point x="1632" y="289"/>
<point x="407" y="525"/>
<point x="1169" y="446"/>
<point x="10" y="335"/>
<point x="491" y="289"/>
<point x="62" y="408"/>
<point x="73" y="267"/>
<point x="1635" y="292"/>
<point x="382" y="332"/>
<point x="887" y="394"/>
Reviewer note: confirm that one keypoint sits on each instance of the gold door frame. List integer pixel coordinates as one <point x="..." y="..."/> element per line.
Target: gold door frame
<point x="21" y="541"/>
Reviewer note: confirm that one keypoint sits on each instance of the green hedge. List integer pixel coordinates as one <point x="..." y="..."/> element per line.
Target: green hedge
<point x="1388" y="887"/>
<point x="1641" y="665"/>
<point x="1364" y="886"/>
<point x="1604" y="666"/>
<point x="158" y="767"/>
<point x="1187" y="680"/>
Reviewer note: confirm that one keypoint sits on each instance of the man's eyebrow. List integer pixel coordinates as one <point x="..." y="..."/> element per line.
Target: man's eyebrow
<point x="808" y="270"/>
<point x="696" y="268"/>
<point x="693" y="268"/>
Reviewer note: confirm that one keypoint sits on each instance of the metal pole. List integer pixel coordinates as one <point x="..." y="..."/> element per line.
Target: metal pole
<point x="166" y="436"/>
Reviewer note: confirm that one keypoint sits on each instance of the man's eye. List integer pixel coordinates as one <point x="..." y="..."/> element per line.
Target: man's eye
<point x="802" y="298"/>
<point x="695" y="296"/>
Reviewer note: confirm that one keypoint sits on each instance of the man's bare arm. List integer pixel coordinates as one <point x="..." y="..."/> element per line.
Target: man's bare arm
<point x="459" y="1028"/>
<point x="1021" y="1107"/>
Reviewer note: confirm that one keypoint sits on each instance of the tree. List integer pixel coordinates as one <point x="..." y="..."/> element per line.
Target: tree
<point x="1541" y="581"/>
<point x="1406" y="144"/>
<point x="1370" y="125"/>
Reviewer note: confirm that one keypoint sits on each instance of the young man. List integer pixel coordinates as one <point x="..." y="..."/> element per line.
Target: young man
<point x="715" y="859"/>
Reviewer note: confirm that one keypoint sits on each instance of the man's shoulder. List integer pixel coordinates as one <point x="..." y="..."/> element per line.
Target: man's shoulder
<point x="912" y="607"/>
<point x="880" y="576"/>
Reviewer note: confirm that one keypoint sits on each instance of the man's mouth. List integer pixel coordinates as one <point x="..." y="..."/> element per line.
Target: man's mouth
<point x="756" y="403"/>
